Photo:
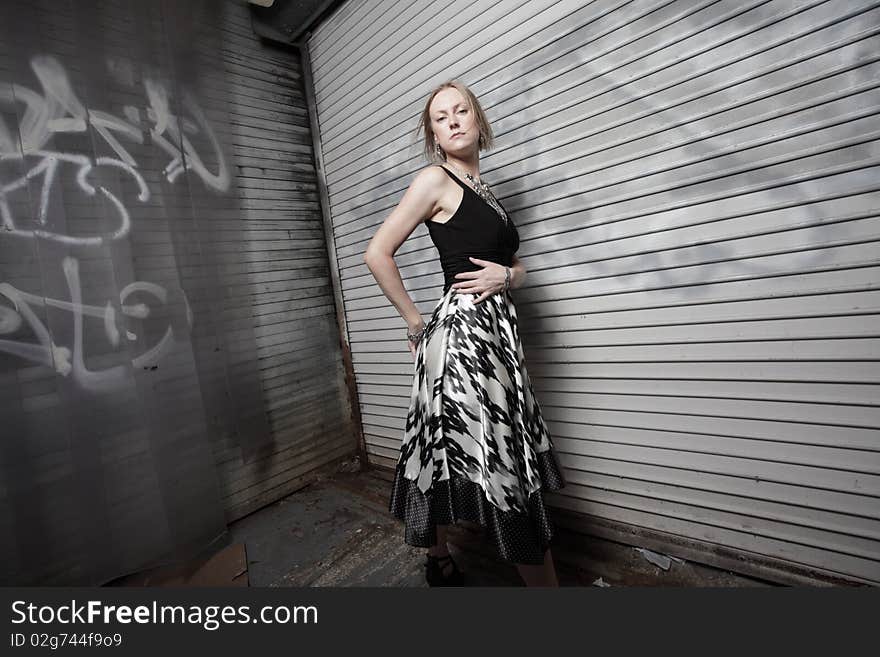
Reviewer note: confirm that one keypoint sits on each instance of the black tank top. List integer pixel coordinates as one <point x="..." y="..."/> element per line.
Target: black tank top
<point x="475" y="229"/>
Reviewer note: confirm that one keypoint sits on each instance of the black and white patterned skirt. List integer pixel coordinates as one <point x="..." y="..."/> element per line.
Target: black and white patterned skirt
<point x="476" y="446"/>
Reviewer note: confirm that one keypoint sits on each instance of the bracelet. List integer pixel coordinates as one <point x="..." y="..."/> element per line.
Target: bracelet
<point x="417" y="336"/>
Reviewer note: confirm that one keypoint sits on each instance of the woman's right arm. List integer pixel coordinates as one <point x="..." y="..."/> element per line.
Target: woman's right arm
<point x="419" y="202"/>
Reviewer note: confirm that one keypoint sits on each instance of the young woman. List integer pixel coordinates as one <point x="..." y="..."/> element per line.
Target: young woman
<point x="476" y="446"/>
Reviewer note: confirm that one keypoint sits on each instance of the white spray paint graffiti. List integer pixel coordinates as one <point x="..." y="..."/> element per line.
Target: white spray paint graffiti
<point x="58" y="111"/>
<point x="48" y="167"/>
<point x="70" y="362"/>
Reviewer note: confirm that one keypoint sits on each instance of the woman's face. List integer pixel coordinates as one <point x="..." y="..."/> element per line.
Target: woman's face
<point x="452" y="121"/>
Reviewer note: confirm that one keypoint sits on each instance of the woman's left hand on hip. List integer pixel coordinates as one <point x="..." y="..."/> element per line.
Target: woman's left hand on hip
<point x="484" y="282"/>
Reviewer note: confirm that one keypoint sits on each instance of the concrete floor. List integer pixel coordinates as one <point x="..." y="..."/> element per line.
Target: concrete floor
<point x="337" y="532"/>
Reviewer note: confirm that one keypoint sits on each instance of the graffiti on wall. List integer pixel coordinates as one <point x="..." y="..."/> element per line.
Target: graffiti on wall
<point x="70" y="361"/>
<point x="27" y="151"/>
<point x="58" y="110"/>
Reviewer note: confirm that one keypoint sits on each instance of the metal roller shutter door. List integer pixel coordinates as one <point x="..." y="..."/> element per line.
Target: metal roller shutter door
<point x="282" y="272"/>
<point x="695" y="184"/>
<point x="189" y="396"/>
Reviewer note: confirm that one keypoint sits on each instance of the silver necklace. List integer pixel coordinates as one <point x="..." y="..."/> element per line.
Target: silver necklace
<point x="482" y="189"/>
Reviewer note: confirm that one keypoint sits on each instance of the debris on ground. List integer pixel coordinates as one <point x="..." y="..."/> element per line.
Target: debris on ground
<point x="601" y="582"/>
<point x="660" y="560"/>
<point x="351" y="465"/>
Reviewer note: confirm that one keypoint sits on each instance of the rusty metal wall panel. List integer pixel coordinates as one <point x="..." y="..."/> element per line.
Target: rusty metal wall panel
<point x="164" y="290"/>
<point x="695" y="188"/>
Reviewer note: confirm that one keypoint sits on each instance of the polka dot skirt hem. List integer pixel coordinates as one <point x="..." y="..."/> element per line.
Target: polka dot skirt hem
<point x="518" y="537"/>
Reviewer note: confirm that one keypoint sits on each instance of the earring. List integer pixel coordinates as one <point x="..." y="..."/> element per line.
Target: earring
<point x="437" y="151"/>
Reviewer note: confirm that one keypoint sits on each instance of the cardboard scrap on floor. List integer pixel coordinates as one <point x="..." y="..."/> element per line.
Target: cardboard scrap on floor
<point x="227" y="567"/>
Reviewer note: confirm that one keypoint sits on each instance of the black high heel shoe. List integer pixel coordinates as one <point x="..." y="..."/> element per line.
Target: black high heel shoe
<point x="435" y="576"/>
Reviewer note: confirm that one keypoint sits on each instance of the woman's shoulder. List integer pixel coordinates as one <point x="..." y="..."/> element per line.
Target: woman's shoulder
<point x="431" y="173"/>
<point x="429" y="179"/>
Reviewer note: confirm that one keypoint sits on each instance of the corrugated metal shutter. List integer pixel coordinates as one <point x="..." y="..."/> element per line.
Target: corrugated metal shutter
<point x="282" y="274"/>
<point x="164" y="373"/>
<point x="695" y="185"/>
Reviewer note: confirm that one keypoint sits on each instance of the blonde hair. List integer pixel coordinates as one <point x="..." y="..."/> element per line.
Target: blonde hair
<point x="486" y="137"/>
